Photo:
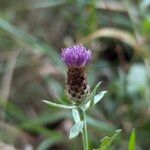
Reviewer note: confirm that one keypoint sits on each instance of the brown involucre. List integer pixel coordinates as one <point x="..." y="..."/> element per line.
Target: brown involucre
<point x="77" y="87"/>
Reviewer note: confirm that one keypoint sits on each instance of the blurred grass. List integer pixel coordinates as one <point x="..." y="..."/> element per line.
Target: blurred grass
<point x="26" y="40"/>
<point x="116" y="31"/>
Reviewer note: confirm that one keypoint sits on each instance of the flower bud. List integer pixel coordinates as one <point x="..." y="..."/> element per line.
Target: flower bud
<point x="76" y="58"/>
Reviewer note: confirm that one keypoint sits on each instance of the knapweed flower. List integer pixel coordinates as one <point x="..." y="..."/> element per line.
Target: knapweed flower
<point x="76" y="58"/>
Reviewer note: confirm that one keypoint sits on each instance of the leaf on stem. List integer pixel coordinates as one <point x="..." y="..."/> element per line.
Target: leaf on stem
<point x="59" y="105"/>
<point x="85" y="104"/>
<point x="76" y="115"/>
<point x="76" y="129"/>
<point x="96" y="99"/>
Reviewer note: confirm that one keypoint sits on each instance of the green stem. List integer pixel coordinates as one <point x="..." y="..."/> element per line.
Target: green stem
<point x="84" y="131"/>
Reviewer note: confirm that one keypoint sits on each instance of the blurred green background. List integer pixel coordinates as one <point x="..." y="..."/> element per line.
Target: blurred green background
<point x="32" y="34"/>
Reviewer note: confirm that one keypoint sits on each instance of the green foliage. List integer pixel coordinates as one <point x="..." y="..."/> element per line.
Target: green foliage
<point x="96" y="99"/>
<point x="85" y="104"/>
<point x="76" y="115"/>
<point x="107" y="141"/>
<point x="132" y="140"/>
<point x="58" y="105"/>
<point x="76" y="129"/>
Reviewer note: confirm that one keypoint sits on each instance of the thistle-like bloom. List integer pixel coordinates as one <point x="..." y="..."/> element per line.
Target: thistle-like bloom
<point x="76" y="58"/>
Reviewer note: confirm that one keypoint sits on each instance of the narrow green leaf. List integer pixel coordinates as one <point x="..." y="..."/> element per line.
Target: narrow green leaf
<point x="96" y="99"/>
<point x="99" y="96"/>
<point x="94" y="91"/>
<point x="85" y="104"/>
<point x="76" y="129"/>
<point x="97" y="86"/>
<point x="131" y="145"/>
<point x="58" y="105"/>
<point x="106" y="141"/>
<point x="75" y="115"/>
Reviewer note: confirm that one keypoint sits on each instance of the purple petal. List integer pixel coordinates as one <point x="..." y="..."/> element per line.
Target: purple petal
<point x="76" y="56"/>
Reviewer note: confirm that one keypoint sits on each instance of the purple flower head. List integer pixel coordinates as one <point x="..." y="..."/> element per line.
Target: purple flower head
<point x="77" y="56"/>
